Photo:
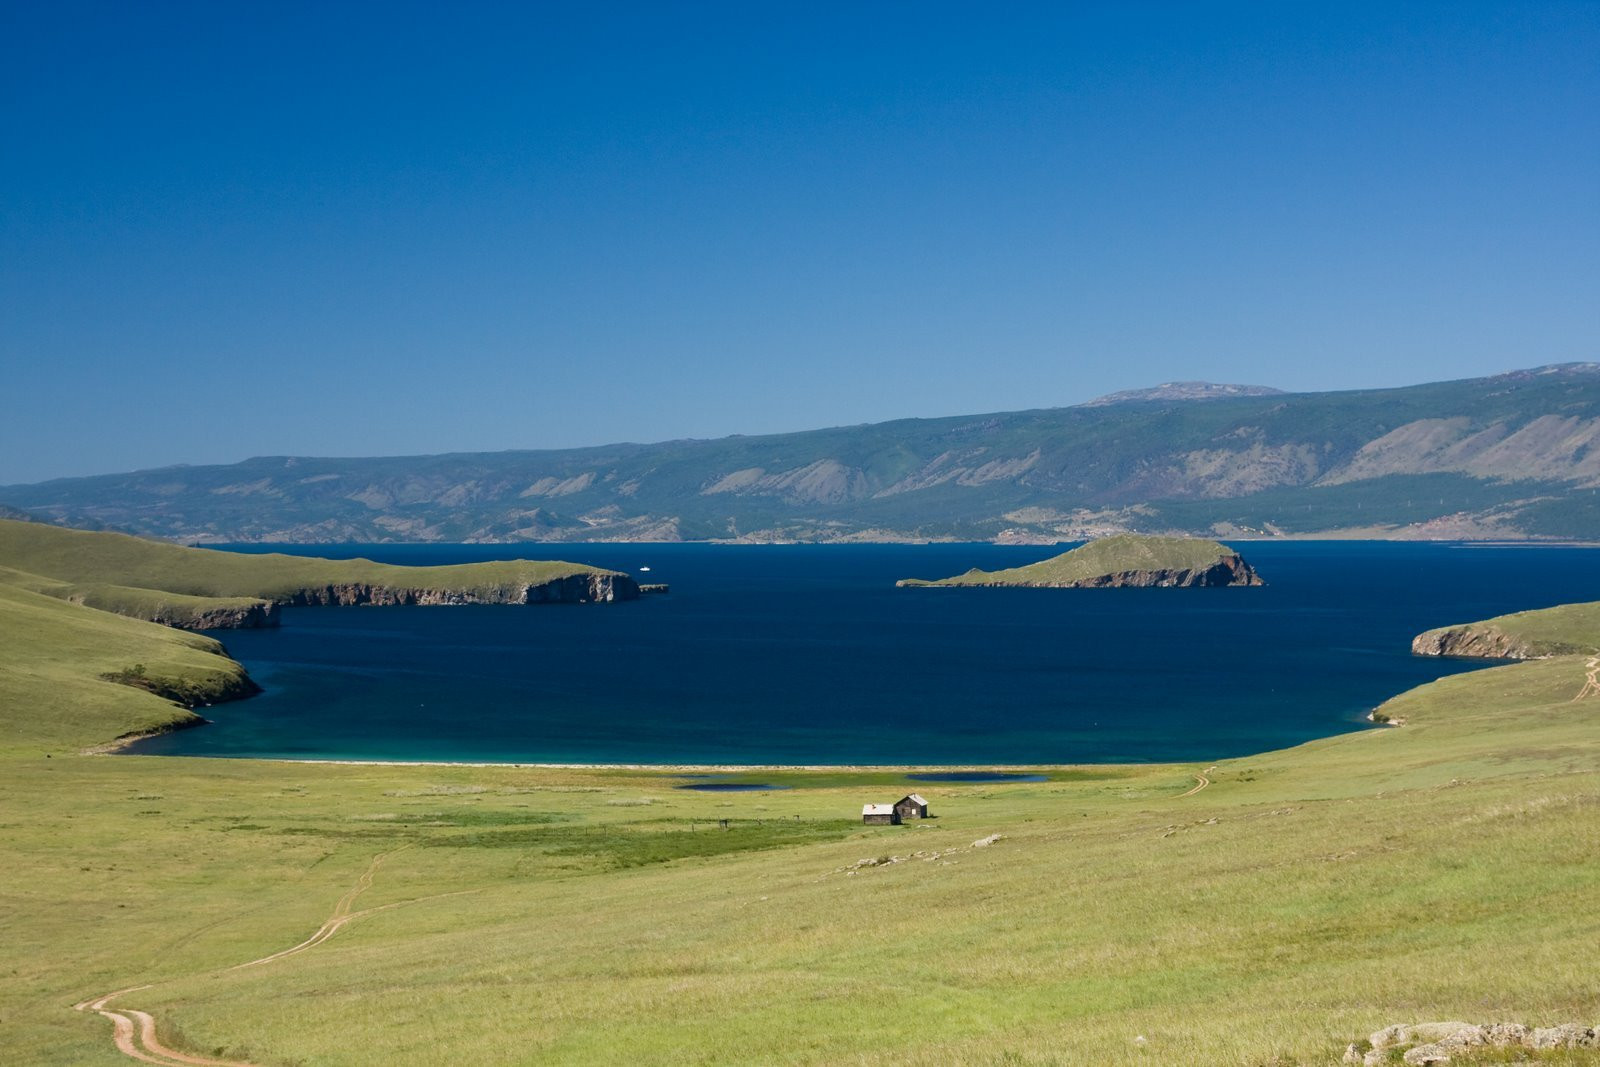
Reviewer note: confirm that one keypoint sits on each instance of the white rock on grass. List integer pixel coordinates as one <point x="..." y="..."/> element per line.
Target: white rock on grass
<point x="1425" y="1055"/>
<point x="1403" y="1034"/>
<point x="1434" y="1043"/>
<point x="1567" y="1035"/>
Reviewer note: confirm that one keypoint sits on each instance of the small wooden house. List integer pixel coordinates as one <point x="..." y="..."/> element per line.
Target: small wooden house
<point x="879" y="814"/>
<point x="911" y="807"/>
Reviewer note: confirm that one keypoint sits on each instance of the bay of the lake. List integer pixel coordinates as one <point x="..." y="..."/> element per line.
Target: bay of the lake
<point x="808" y="654"/>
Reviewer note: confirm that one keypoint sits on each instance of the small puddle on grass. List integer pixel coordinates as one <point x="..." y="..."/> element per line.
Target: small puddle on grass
<point x="730" y="787"/>
<point x="977" y="776"/>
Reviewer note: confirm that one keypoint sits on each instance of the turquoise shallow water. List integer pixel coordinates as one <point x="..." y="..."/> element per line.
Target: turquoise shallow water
<point x="808" y="655"/>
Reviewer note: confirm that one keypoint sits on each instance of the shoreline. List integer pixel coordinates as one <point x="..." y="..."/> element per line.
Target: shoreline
<point x="1366" y="722"/>
<point x="1320" y="535"/>
<point x="117" y="748"/>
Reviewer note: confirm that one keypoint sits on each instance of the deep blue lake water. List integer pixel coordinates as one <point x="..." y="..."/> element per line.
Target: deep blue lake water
<point x="808" y="654"/>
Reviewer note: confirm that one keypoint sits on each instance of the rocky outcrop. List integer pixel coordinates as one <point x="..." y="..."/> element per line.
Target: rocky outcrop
<point x="1483" y="641"/>
<point x="1437" y="1043"/>
<point x="1230" y="570"/>
<point x="255" y="616"/>
<point x="190" y="691"/>
<point x="595" y="587"/>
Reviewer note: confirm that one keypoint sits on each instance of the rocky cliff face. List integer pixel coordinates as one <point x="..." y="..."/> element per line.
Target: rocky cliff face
<point x="1482" y="641"/>
<point x="251" y="617"/>
<point x="1229" y="570"/>
<point x="596" y="588"/>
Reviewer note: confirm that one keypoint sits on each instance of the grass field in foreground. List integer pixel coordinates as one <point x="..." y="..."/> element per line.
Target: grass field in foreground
<point x="1302" y="899"/>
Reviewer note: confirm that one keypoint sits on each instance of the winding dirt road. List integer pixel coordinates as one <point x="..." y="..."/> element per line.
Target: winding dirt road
<point x="134" y="1032"/>
<point x="1201" y="781"/>
<point x="1591" y="684"/>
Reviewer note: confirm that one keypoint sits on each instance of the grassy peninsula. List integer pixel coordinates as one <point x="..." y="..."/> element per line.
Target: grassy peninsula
<point x="85" y="661"/>
<point x="121" y="571"/>
<point x="1272" y="909"/>
<point x="1122" y="560"/>
<point x="1560" y="631"/>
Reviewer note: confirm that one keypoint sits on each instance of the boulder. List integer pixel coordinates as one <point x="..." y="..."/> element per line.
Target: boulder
<point x="1506" y="1035"/>
<point x="1410" y="1034"/>
<point x="1423" y="1055"/>
<point x="1567" y="1035"/>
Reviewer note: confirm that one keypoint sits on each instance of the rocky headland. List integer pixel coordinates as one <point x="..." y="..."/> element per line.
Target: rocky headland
<point x="83" y="586"/>
<point x="202" y="589"/>
<point x="1565" y="630"/>
<point x="592" y="587"/>
<point x="259" y="615"/>
<point x="1476" y="642"/>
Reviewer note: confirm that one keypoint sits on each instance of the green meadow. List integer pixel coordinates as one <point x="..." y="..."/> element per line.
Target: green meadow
<point x="155" y="580"/>
<point x="1298" y="901"/>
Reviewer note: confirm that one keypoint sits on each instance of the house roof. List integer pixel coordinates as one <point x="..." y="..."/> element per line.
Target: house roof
<point x="915" y="798"/>
<point x="877" y="809"/>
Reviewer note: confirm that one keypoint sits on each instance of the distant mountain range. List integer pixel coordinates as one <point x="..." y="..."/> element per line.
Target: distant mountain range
<point x="1510" y="456"/>
<point x="1183" y="391"/>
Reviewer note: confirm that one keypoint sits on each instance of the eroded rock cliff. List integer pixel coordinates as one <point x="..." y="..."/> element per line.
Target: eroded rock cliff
<point x="590" y="588"/>
<point x="1484" y="641"/>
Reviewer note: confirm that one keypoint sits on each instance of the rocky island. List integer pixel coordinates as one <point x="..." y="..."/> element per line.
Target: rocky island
<point x="1126" y="560"/>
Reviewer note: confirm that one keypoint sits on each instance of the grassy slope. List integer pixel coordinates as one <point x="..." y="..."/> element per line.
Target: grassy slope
<point x="1109" y="555"/>
<point x="79" y="556"/>
<point x="1559" y="631"/>
<point x="151" y="604"/>
<point x="1305" y="898"/>
<point x="52" y="698"/>
<point x="57" y="646"/>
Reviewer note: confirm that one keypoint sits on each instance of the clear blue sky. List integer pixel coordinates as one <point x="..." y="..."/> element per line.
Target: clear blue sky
<point x="361" y="229"/>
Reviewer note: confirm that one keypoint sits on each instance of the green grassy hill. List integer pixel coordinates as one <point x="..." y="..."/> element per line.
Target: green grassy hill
<point x="1126" y="559"/>
<point x="1560" y="631"/>
<point x="78" y="611"/>
<point x="54" y="690"/>
<point x="94" y="558"/>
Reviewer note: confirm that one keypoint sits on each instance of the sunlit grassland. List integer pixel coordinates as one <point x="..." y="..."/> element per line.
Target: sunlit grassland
<point x="53" y="698"/>
<point x="99" y="557"/>
<point x="72" y="605"/>
<point x="1566" y="629"/>
<point x="1444" y="869"/>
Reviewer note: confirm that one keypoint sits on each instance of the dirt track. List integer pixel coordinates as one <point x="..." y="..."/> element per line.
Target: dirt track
<point x="1591" y="684"/>
<point x="134" y="1032"/>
